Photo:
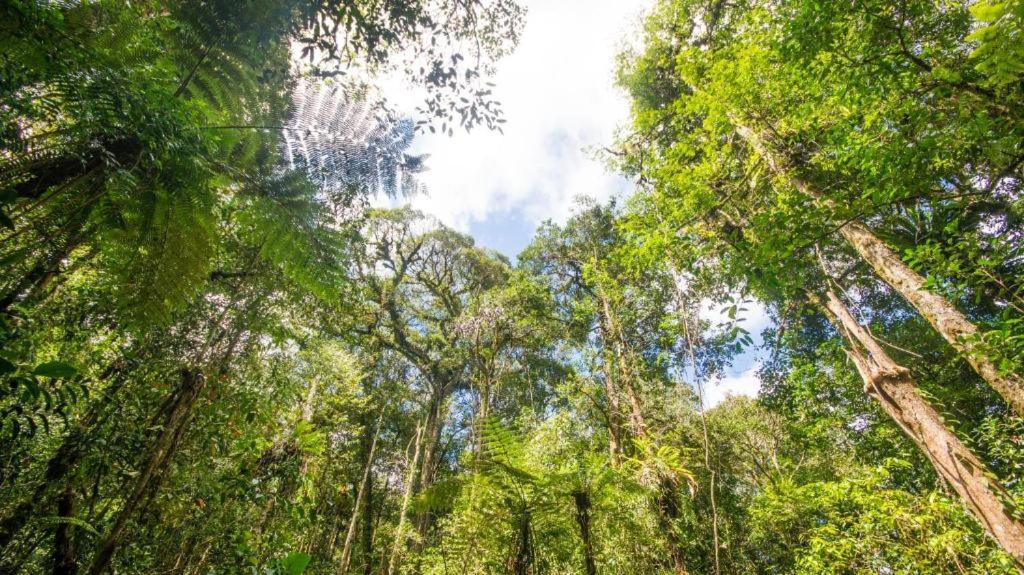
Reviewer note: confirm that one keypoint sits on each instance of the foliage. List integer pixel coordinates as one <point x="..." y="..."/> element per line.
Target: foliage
<point x="217" y="358"/>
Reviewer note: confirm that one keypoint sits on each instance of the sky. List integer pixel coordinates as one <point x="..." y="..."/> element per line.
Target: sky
<point x="557" y="91"/>
<point x="561" y="104"/>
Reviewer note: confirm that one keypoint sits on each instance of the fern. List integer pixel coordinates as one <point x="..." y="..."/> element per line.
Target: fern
<point x="348" y="143"/>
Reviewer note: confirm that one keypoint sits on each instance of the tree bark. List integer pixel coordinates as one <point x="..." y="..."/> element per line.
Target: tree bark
<point x="481" y="420"/>
<point x="346" y="549"/>
<point x="951" y="324"/>
<point x="433" y="429"/>
<point x="893" y="387"/>
<point x="614" y="411"/>
<point x="625" y="369"/>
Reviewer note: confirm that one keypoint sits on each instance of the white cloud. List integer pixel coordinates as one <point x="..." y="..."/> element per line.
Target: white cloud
<point x="557" y="90"/>
<point x="746" y="383"/>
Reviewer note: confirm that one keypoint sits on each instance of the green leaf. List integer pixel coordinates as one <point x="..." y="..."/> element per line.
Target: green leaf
<point x="56" y="520"/>
<point x="55" y="369"/>
<point x="6" y="366"/>
<point x="295" y="563"/>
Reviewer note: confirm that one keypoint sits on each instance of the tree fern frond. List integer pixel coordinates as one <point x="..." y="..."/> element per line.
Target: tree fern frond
<point x="346" y="140"/>
<point x="282" y="215"/>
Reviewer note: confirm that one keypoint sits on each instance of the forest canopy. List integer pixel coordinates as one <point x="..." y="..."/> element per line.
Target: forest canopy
<point x="220" y="354"/>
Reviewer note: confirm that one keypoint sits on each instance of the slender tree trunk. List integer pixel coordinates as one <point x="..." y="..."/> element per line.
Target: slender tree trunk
<point x="614" y="425"/>
<point x="406" y="499"/>
<point x="368" y="525"/>
<point x="174" y="417"/>
<point x="310" y="403"/>
<point x="951" y="324"/>
<point x="690" y="334"/>
<point x="346" y="550"/>
<point x="582" y="501"/>
<point x="334" y="538"/>
<point x="892" y="386"/>
<point x="65" y="555"/>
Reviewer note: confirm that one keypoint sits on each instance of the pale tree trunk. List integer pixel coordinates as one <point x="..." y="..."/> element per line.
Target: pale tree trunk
<point x="614" y="425"/>
<point x="310" y="402"/>
<point x="346" y="549"/>
<point x="951" y="324"/>
<point x="893" y="387"/>
<point x="483" y="413"/>
<point x="403" y="513"/>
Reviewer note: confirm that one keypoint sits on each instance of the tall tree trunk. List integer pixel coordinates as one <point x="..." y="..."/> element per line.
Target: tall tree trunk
<point x="614" y="423"/>
<point x="951" y="324"/>
<point x="892" y="386"/>
<point x="434" y="427"/>
<point x="625" y="369"/>
<point x="65" y="555"/>
<point x="406" y="499"/>
<point x="428" y="464"/>
<point x="346" y="550"/>
<point x="174" y="417"/>
<point x="179" y="411"/>
<point x="582" y="501"/>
